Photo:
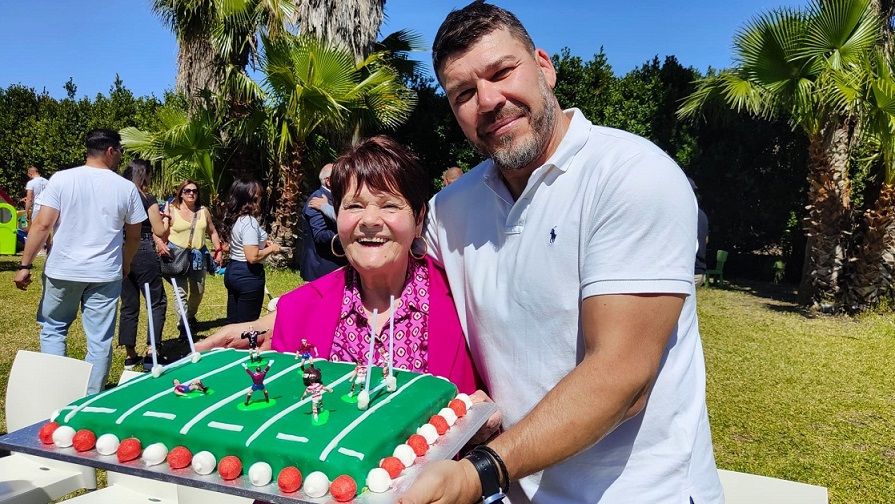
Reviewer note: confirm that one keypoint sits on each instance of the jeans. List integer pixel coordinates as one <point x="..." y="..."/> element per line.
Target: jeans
<point x="144" y="269"/>
<point x="245" y="291"/>
<point x="58" y="309"/>
<point x="190" y="289"/>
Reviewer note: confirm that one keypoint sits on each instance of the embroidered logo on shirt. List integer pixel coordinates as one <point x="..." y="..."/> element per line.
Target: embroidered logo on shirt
<point x="553" y="234"/>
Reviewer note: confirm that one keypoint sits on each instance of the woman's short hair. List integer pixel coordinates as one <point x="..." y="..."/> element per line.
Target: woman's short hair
<point x="178" y="196"/>
<point x="382" y="164"/>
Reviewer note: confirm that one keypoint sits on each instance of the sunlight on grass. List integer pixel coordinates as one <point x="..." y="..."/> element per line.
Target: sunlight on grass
<point x="790" y="396"/>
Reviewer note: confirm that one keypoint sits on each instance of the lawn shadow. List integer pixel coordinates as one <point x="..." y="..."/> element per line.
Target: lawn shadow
<point x="9" y="265"/>
<point x="780" y="298"/>
<point x="207" y="325"/>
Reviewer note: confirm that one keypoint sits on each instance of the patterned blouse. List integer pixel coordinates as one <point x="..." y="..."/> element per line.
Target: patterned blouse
<point x="352" y="338"/>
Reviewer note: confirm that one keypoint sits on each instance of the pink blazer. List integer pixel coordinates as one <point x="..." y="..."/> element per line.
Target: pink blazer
<point x="312" y="312"/>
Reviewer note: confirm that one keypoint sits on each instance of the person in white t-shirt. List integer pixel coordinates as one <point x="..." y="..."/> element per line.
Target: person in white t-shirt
<point x="87" y="208"/>
<point x="33" y="188"/>
<point x="570" y="256"/>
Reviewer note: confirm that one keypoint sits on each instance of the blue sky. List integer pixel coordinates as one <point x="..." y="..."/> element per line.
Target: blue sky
<point x="44" y="42"/>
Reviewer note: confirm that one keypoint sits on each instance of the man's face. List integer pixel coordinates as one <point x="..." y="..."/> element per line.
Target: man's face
<point x="502" y="97"/>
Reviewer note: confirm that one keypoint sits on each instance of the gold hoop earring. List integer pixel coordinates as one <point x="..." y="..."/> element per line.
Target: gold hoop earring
<point x="418" y="239"/>
<point x="332" y="247"/>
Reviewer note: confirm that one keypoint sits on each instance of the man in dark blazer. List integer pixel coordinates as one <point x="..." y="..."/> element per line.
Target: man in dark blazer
<point x="318" y="231"/>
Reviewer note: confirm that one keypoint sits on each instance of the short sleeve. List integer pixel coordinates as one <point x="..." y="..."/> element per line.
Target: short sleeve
<point x="49" y="197"/>
<point x="250" y="231"/>
<point x="431" y="233"/>
<point x="135" y="212"/>
<point x="641" y="232"/>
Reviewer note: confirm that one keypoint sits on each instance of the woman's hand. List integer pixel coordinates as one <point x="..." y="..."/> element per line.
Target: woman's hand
<point x="229" y="336"/>
<point x="273" y="246"/>
<point x="162" y="248"/>
<point x="491" y="426"/>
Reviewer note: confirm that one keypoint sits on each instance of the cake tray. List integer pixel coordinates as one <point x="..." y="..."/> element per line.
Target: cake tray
<point x="26" y="441"/>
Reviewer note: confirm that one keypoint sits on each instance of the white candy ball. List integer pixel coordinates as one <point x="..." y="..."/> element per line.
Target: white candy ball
<point x="155" y="454"/>
<point x="260" y="473"/>
<point x="405" y="454"/>
<point x="316" y="484"/>
<point x="378" y="480"/>
<point x="449" y="416"/>
<point x="466" y="400"/>
<point x="429" y="432"/>
<point x="204" y="462"/>
<point x="107" y="444"/>
<point x="62" y="436"/>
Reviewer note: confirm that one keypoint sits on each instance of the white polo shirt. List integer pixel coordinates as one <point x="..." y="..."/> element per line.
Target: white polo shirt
<point x="609" y="213"/>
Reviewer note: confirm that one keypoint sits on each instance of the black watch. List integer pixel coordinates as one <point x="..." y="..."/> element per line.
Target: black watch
<point x="25" y="266"/>
<point x="488" y="476"/>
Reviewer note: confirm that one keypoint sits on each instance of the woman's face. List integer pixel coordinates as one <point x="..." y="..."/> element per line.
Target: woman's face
<point x="189" y="194"/>
<point x="376" y="230"/>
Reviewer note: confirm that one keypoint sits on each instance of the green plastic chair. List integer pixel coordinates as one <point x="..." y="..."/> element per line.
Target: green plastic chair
<point x="718" y="271"/>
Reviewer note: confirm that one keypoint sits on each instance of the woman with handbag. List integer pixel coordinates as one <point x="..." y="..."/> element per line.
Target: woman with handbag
<point x="144" y="270"/>
<point x="183" y="257"/>
<point x="249" y="247"/>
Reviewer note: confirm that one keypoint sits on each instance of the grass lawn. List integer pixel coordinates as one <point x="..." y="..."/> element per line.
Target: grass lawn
<point x="790" y="396"/>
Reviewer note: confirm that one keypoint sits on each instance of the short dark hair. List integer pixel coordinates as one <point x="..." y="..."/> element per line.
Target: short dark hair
<point x="138" y="171"/>
<point x="382" y="164"/>
<point x="462" y="28"/>
<point x="311" y="375"/>
<point x="99" y="141"/>
<point x="240" y="201"/>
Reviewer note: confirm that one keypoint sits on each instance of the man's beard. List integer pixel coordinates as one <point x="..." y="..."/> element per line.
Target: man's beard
<point x="511" y="154"/>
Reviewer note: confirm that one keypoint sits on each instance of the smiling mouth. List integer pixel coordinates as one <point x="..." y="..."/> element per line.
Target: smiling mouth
<point x="372" y="242"/>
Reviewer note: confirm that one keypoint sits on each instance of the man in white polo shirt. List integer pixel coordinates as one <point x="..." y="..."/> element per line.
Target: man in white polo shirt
<point x="570" y="256"/>
<point x="87" y="208"/>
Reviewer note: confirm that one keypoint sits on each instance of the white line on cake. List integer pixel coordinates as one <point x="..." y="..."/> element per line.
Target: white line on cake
<point x="159" y="414"/>
<point x="226" y="426"/>
<point x="290" y="437"/>
<point x="352" y="453"/>
<point x="347" y="430"/>
<point x="216" y="406"/>
<point x="290" y="409"/>
<point x="92" y="409"/>
<point x="166" y="391"/>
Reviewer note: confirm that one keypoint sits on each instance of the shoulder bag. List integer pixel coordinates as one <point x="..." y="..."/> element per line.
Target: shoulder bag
<point x="177" y="262"/>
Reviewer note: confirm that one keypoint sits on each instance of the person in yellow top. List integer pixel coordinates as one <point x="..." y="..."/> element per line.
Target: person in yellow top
<point x="178" y="216"/>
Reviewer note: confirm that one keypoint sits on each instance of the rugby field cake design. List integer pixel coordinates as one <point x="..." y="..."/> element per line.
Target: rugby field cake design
<point x="211" y="426"/>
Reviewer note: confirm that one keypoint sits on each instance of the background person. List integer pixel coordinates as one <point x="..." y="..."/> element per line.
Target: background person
<point x="180" y="217"/>
<point x="144" y="269"/>
<point x="249" y="247"/>
<point x="573" y="277"/>
<point x="318" y="232"/>
<point x="33" y="188"/>
<point x="451" y="175"/>
<point x="86" y="207"/>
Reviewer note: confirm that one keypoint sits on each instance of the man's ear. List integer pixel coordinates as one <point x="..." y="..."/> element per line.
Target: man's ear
<point x="546" y="64"/>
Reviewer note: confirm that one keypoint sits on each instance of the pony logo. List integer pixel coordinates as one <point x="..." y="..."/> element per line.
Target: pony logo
<point x="553" y="234"/>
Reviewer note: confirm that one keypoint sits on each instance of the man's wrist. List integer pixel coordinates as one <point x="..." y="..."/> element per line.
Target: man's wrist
<point x="23" y="266"/>
<point x="489" y="475"/>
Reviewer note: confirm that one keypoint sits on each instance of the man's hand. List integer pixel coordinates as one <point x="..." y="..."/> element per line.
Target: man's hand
<point x="445" y="482"/>
<point x="317" y="203"/>
<point x="245" y="366"/>
<point x="491" y="425"/>
<point x="22" y="279"/>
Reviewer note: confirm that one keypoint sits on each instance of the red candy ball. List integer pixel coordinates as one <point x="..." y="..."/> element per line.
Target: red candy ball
<point x="84" y="440"/>
<point x="343" y="488"/>
<point x="393" y="466"/>
<point x="289" y="479"/>
<point x="46" y="432"/>
<point x="179" y="457"/>
<point x="129" y="449"/>
<point x="419" y="444"/>
<point x="458" y="406"/>
<point x="440" y="424"/>
<point x="230" y="467"/>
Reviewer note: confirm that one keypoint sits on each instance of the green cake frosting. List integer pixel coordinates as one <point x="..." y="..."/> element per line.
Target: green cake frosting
<point x="282" y="433"/>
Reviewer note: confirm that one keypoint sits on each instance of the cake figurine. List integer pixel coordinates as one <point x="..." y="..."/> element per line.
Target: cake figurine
<point x="358" y="377"/>
<point x="257" y="380"/>
<point x="254" y="349"/>
<point x="304" y="351"/>
<point x="183" y="389"/>
<point x="313" y="379"/>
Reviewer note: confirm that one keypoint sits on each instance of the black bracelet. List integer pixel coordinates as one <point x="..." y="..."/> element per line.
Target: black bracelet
<point x="503" y="467"/>
<point x="25" y="266"/>
<point x="488" y="473"/>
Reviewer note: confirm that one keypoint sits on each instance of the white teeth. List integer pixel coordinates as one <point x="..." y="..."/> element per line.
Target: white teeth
<point x="372" y="240"/>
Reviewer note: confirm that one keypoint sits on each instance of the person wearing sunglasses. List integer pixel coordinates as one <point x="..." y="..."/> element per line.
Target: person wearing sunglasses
<point x="190" y="223"/>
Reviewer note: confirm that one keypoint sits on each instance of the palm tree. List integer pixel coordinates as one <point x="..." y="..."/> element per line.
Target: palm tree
<point x="313" y="88"/>
<point x="352" y="25"/>
<point x="788" y="64"/>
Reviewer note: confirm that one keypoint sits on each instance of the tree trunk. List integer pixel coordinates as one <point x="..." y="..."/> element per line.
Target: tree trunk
<point x="287" y="208"/>
<point x="875" y="261"/>
<point x="353" y="25"/>
<point x="886" y="10"/>
<point x="198" y="68"/>
<point x="828" y="223"/>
